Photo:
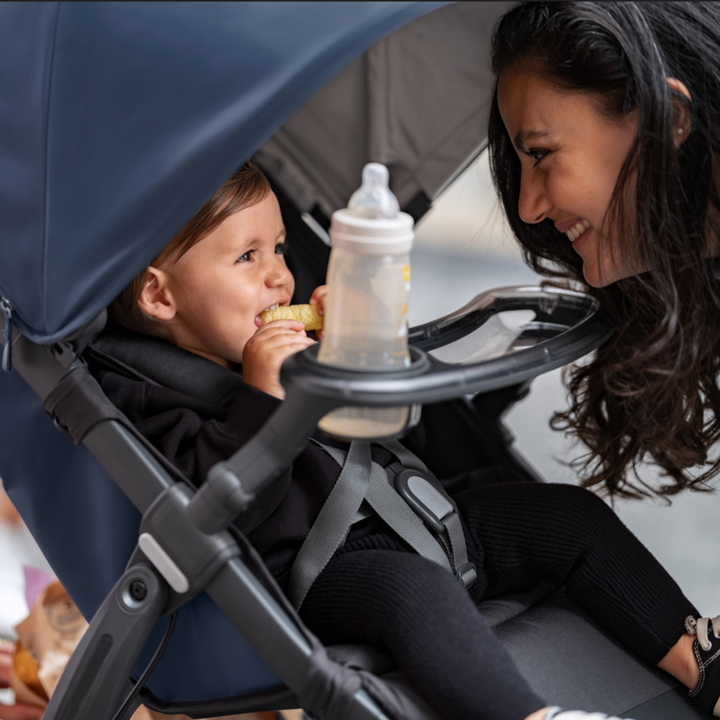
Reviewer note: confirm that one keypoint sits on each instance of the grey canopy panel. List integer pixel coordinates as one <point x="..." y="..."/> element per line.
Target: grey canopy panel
<point x="417" y="101"/>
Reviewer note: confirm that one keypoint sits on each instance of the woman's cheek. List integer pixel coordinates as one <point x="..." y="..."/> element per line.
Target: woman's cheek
<point x="563" y="193"/>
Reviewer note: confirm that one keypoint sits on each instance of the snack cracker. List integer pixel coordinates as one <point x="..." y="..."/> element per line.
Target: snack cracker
<point x="306" y="314"/>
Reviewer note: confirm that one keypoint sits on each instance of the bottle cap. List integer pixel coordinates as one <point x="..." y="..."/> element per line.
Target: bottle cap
<point x="368" y="236"/>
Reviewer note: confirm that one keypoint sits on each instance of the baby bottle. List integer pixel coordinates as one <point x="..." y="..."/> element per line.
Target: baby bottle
<point x="365" y="326"/>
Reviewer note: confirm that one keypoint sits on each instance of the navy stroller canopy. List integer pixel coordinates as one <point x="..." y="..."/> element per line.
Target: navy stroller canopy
<point x="119" y="120"/>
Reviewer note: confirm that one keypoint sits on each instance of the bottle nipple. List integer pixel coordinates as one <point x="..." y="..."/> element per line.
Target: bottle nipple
<point x="374" y="199"/>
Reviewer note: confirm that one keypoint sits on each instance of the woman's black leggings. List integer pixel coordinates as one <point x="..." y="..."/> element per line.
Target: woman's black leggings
<point x="518" y="533"/>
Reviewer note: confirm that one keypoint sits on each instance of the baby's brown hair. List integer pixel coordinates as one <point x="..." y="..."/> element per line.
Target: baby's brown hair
<point x="247" y="187"/>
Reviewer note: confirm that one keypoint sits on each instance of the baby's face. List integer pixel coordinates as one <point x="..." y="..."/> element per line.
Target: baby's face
<point x="223" y="282"/>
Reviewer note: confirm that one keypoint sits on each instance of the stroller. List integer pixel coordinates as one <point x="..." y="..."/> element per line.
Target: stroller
<point x="119" y="121"/>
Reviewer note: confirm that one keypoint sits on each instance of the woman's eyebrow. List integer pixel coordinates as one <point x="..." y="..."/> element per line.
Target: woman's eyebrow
<point x="523" y="136"/>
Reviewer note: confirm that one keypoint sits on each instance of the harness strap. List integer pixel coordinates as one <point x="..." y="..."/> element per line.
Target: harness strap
<point x="362" y="479"/>
<point x="386" y="502"/>
<point x="332" y="525"/>
<point x="406" y="458"/>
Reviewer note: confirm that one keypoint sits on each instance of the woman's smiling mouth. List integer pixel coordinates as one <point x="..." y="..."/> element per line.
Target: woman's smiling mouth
<point x="577" y="230"/>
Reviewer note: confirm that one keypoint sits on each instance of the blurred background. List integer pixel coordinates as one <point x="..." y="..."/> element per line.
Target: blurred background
<point x="463" y="248"/>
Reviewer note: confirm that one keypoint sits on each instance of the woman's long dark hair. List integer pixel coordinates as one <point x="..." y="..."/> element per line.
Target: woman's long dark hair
<point x="651" y="391"/>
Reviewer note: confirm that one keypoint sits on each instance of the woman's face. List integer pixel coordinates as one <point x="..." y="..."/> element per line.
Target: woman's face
<point x="571" y="156"/>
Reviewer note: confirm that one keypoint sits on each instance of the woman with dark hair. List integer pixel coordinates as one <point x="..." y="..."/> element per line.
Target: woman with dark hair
<point x="604" y="137"/>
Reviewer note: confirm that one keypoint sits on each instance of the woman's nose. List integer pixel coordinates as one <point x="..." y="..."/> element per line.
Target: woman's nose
<point x="533" y="204"/>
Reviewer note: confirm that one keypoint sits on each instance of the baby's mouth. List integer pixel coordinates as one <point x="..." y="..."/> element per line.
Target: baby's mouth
<point x="258" y="319"/>
<point x="577" y="230"/>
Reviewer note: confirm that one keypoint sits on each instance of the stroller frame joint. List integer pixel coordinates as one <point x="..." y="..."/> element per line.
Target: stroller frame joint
<point x="184" y="555"/>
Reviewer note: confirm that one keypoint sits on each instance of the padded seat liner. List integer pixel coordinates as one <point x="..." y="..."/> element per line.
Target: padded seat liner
<point x="571" y="661"/>
<point x="159" y="362"/>
<point x="566" y="657"/>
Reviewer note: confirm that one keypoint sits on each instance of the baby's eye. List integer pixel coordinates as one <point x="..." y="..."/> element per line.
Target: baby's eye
<point x="246" y="256"/>
<point x="282" y="248"/>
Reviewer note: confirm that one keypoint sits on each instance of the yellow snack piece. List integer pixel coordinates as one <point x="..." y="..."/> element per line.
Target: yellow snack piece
<point x="306" y="314"/>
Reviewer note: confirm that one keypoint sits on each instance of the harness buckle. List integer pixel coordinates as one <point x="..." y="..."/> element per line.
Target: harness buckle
<point x="427" y="498"/>
<point x="466" y="574"/>
<point x="427" y="501"/>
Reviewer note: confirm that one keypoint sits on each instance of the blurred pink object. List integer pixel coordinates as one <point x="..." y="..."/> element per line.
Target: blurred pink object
<point x="36" y="581"/>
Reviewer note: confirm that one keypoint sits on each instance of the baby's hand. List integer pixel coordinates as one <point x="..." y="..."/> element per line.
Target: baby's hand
<point x="318" y="298"/>
<point x="266" y="350"/>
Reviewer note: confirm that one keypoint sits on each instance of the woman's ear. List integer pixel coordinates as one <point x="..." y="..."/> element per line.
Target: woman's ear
<point x="682" y="124"/>
<point x="155" y="298"/>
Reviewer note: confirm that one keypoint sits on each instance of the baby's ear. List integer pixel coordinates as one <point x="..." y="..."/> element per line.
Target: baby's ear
<point x="155" y="298"/>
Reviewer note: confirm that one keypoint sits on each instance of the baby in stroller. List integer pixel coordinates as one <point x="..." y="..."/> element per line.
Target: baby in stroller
<point x="203" y="294"/>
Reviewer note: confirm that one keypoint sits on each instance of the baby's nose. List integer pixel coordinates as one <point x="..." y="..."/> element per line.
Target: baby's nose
<point x="279" y="274"/>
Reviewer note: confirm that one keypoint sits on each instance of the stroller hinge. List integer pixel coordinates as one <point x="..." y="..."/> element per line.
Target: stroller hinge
<point x="7" y="311"/>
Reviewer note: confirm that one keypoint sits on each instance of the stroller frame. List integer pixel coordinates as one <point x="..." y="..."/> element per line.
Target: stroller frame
<point x="185" y="546"/>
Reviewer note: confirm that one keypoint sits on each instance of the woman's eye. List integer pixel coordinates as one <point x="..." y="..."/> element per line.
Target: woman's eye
<point x="282" y="248"/>
<point x="537" y="155"/>
<point x="246" y="256"/>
